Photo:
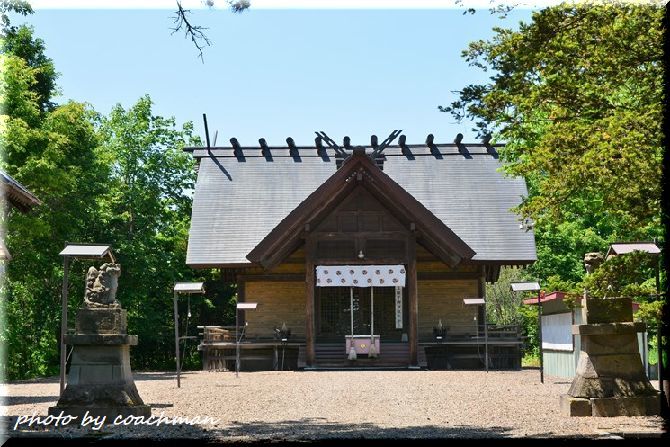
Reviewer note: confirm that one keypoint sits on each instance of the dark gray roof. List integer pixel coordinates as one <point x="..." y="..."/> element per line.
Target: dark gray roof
<point x="237" y="203"/>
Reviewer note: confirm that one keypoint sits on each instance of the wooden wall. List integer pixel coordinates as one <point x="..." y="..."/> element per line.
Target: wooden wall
<point x="444" y="299"/>
<point x="278" y="302"/>
<point x="283" y="299"/>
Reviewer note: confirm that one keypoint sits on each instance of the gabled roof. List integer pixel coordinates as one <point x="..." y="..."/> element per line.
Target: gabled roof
<point x="359" y="169"/>
<point x="238" y="201"/>
<point x="17" y="194"/>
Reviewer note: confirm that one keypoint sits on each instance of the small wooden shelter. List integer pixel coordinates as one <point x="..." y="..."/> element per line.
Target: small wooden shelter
<point x="357" y="249"/>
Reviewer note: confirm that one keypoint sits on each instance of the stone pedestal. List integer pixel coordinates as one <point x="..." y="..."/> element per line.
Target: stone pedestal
<point x="610" y="378"/>
<point x="100" y="380"/>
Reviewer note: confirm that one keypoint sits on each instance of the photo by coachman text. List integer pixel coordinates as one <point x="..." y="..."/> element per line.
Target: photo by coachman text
<point x="96" y="423"/>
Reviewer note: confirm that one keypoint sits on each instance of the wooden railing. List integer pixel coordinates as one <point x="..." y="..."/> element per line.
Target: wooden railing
<point x="213" y="334"/>
<point x="474" y="331"/>
<point x="218" y="346"/>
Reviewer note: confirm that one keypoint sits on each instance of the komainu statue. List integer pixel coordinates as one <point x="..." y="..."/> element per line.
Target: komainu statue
<point x="100" y="381"/>
<point x="592" y="261"/>
<point x="101" y="286"/>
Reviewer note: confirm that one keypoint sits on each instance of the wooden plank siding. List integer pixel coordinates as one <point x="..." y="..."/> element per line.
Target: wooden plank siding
<point x="278" y="302"/>
<point x="444" y="299"/>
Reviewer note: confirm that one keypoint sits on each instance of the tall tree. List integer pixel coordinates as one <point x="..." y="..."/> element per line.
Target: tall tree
<point x="148" y="211"/>
<point x="121" y="179"/>
<point x="54" y="152"/>
<point x="20" y="42"/>
<point x="577" y="95"/>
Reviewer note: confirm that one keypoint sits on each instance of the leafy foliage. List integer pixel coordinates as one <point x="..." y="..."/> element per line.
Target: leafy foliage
<point x="54" y="152"/>
<point x="502" y="304"/>
<point x="505" y="307"/>
<point x="19" y="41"/>
<point x="120" y="179"/>
<point x="528" y="317"/>
<point x="577" y="95"/>
<point x="16" y="6"/>
<point x="630" y="275"/>
<point x="147" y="211"/>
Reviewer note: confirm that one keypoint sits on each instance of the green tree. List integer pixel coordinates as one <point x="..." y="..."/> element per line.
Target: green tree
<point x="121" y="179"/>
<point x="147" y="213"/>
<point x="21" y="7"/>
<point x="577" y="96"/>
<point x="630" y="275"/>
<point x="504" y="307"/>
<point x="54" y="153"/>
<point x="20" y="42"/>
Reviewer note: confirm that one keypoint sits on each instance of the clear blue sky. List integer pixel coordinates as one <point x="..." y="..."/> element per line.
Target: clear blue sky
<point x="275" y="73"/>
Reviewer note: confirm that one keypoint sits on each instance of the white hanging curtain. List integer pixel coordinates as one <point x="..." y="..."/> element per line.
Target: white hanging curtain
<point x="360" y="275"/>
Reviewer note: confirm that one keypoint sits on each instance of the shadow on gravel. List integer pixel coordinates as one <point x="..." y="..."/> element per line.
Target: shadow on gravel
<point x="305" y="429"/>
<point x="311" y="428"/>
<point x="289" y="430"/>
<point x="156" y="376"/>
<point x="167" y="375"/>
<point x="21" y="400"/>
<point x="138" y="375"/>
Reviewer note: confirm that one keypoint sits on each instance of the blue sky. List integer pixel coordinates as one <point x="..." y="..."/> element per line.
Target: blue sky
<point x="275" y="73"/>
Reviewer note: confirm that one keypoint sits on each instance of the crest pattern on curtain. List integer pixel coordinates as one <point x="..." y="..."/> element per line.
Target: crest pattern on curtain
<point x="360" y="275"/>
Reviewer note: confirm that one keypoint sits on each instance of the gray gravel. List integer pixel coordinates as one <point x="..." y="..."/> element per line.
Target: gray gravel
<point x="341" y="404"/>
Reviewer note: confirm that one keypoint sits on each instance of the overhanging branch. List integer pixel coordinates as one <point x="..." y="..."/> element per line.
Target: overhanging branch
<point x="195" y="32"/>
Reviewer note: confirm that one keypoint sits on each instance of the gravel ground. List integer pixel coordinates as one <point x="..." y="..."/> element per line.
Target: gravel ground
<point x="340" y="404"/>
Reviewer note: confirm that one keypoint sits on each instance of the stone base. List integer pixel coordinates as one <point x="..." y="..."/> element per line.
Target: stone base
<point x="106" y="320"/>
<point x="105" y="365"/>
<point x="610" y="406"/>
<point x="626" y="406"/>
<point x="112" y="395"/>
<point x="575" y="406"/>
<point x="604" y="387"/>
<point x="100" y="380"/>
<point x="110" y="413"/>
<point x="610" y="368"/>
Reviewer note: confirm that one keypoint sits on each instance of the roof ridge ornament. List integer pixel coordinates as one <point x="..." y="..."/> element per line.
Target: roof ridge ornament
<point x="392" y="136"/>
<point x="326" y="139"/>
<point x="377" y="149"/>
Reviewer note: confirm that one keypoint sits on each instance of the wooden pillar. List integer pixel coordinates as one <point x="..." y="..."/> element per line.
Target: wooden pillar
<point x="309" y="305"/>
<point x="413" y="302"/>
<point x="482" y="294"/>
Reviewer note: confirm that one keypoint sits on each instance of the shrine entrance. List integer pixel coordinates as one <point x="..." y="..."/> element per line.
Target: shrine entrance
<point x="374" y="309"/>
<point x="357" y="321"/>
